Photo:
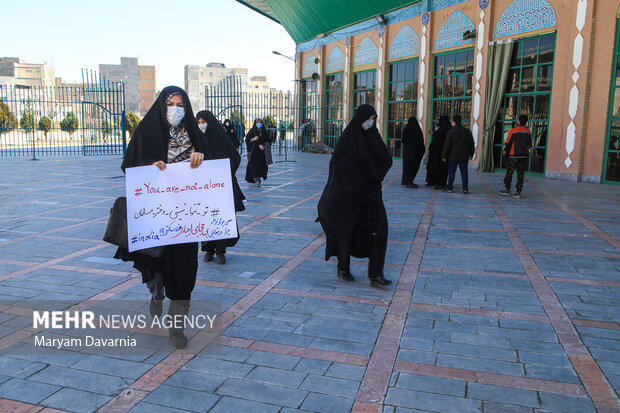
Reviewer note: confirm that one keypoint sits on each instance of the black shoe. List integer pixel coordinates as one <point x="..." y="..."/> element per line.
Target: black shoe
<point x="221" y="259"/>
<point x="345" y="275"/>
<point x="178" y="339"/>
<point x="439" y="187"/>
<point x="448" y="190"/>
<point x="379" y="281"/>
<point x="465" y="191"/>
<point x="411" y="186"/>
<point x="208" y="256"/>
<point x="155" y="307"/>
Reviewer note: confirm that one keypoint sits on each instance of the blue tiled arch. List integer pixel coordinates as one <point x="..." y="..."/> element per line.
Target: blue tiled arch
<point x="523" y="16"/>
<point x="451" y="33"/>
<point x="406" y="43"/>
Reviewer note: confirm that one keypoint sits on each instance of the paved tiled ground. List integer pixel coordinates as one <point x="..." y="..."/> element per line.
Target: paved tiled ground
<point x="498" y="305"/>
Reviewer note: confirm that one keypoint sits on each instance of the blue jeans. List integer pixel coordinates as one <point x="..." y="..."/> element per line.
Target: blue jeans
<point x="452" y="172"/>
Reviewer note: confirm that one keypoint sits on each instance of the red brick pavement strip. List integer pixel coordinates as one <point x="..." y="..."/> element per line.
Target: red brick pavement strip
<point x="221" y="284"/>
<point x="353" y="261"/>
<point x="360" y="407"/>
<point x="599" y="389"/>
<point x="377" y="377"/>
<point x="11" y="406"/>
<point x="604" y="235"/>
<point x="608" y="325"/>
<point x="476" y="311"/>
<point x="584" y="282"/>
<point x="486" y="247"/>
<point x="477" y="273"/>
<point x="45" y="264"/>
<point x="495" y="379"/>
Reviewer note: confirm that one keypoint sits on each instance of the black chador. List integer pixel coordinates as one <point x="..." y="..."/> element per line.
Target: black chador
<point x="351" y="209"/>
<point x="257" y="163"/>
<point x="413" y="151"/>
<point x="436" y="168"/>
<point x="223" y="148"/>
<point x="230" y="131"/>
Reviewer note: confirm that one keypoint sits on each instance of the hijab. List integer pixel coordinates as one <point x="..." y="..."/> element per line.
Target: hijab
<point x="412" y="131"/>
<point x="150" y="140"/>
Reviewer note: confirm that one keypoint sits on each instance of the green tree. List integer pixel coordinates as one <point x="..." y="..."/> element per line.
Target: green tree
<point x="27" y="122"/>
<point x="45" y="124"/>
<point x="8" y="121"/>
<point x="131" y="122"/>
<point x="69" y="123"/>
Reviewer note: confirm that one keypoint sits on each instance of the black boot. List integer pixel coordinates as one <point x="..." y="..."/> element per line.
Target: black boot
<point x="156" y="288"/>
<point x="379" y="281"/>
<point x="177" y="311"/>
<point x="345" y="275"/>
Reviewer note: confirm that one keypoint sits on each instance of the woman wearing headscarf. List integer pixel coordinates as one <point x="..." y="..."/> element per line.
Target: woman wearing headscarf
<point x="167" y="134"/>
<point x="351" y="209"/>
<point x="222" y="148"/>
<point x="413" y="151"/>
<point x="255" y="145"/>
<point x="436" y="168"/>
<point x="230" y="131"/>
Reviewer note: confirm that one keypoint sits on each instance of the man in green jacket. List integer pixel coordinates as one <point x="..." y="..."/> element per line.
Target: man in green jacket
<point x="458" y="151"/>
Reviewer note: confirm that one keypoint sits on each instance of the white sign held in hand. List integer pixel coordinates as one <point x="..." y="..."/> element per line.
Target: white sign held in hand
<point x="180" y="204"/>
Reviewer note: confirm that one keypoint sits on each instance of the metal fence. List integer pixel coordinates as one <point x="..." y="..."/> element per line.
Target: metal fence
<point x="296" y="122"/>
<point x="82" y="119"/>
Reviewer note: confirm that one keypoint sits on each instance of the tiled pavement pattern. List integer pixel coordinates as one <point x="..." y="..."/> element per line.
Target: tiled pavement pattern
<point x="498" y="305"/>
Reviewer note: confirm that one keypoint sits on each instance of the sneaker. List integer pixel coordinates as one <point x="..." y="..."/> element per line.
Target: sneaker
<point x="448" y="190"/>
<point x="208" y="256"/>
<point x="411" y="186"/>
<point x="504" y="192"/>
<point x="379" y="281"/>
<point x="465" y="191"/>
<point x="517" y="195"/>
<point x="221" y="259"/>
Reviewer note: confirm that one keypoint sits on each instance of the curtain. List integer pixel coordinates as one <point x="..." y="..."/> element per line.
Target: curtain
<point x="497" y="75"/>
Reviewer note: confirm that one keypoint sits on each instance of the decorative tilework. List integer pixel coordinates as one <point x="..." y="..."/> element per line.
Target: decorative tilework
<point x="426" y="18"/>
<point x="382" y="30"/>
<point x="366" y="52"/>
<point x="335" y="61"/>
<point x="406" y="43"/>
<point x="451" y="33"/>
<point x="310" y="67"/>
<point x="397" y="16"/>
<point x="524" y="16"/>
<point x="483" y="4"/>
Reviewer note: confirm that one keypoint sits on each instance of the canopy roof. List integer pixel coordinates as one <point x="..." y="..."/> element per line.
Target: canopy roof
<point x="307" y="19"/>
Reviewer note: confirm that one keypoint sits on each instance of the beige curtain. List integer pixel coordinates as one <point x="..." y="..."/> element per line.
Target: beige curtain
<point x="497" y="75"/>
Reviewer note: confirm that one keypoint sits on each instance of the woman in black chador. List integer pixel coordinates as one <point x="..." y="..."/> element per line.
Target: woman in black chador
<point x="230" y="131"/>
<point x="436" y="168"/>
<point x="168" y="134"/>
<point x="351" y="209"/>
<point x="255" y="145"/>
<point x="413" y="151"/>
<point x="223" y="148"/>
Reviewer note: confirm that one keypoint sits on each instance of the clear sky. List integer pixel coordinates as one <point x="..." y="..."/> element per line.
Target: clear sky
<point x="75" y="34"/>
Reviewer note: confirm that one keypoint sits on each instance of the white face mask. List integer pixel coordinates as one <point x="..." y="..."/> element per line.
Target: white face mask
<point x="227" y="123"/>
<point x="368" y="124"/>
<point x="174" y="115"/>
<point x="203" y="127"/>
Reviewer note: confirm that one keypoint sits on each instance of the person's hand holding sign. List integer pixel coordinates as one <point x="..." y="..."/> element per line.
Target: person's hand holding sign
<point x="160" y="164"/>
<point x="196" y="159"/>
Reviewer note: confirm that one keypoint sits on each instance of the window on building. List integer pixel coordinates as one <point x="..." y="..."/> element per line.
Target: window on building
<point x="332" y="126"/>
<point x="309" y="107"/>
<point x="402" y="101"/>
<point x="528" y="92"/>
<point x="611" y="170"/>
<point x="364" y="84"/>
<point x="452" y="84"/>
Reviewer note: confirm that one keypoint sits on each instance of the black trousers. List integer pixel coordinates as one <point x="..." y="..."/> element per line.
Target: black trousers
<point x="218" y="247"/>
<point x="520" y="164"/>
<point x="376" y="259"/>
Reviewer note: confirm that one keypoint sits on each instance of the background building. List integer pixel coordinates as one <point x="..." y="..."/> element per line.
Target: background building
<point x="15" y="71"/>
<point x="199" y="77"/>
<point x="139" y="81"/>
<point x="432" y="57"/>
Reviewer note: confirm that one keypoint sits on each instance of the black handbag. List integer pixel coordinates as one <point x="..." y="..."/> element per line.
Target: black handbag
<point x="116" y="231"/>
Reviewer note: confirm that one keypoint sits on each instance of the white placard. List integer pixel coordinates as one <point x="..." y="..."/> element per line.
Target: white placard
<point x="180" y="204"/>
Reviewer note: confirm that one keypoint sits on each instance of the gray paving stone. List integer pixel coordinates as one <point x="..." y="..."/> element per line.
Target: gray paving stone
<point x="566" y="375"/>
<point x="328" y="385"/>
<point x="565" y="404"/>
<point x="279" y="377"/>
<point x="231" y="404"/>
<point x="327" y="404"/>
<point x="492" y="353"/>
<point x="76" y="400"/>
<point x="82" y="380"/>
<point x="218" y="367"/>
<point x="288" y="339"/>
<point x="493" y="407"/>
<point x="261" y="392"/>
<point x="281" y="361"/>
<point x="501" y="394"/>
<point x="26" y="390"/>
<point x="346" y="371"/>
<point x="195" y="381"/>
<point x="412" y="356"/>
<point x="491" y="366"/>
<point x="144" y="407"/>
<point x="312" y="366"/>
<point x="186" y="399"/>
<point x="431" y="401"/>
<point x="342" y="346"/>
<point x="432" y="384"/>
<point x="112" y="366"/>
